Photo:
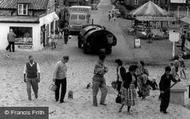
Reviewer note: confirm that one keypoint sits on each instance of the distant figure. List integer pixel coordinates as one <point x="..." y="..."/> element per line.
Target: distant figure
<point x="66" y="34"/>
<point x="99" y="81"/>
<point x="164" y="85"/>
<point x="183" y="38"/>
<point x="32" y="76"/>
<point x="182" y="67"/>
<point x="11" y="39"/>
<point x="109" y="16"/>
<point x="59" y="77"/>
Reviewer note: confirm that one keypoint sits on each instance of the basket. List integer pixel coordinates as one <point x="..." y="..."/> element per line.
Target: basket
<point x="52" y="87"/>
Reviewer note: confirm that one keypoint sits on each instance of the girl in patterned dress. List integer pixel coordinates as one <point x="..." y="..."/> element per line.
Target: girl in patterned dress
<point x="128" y="90"/>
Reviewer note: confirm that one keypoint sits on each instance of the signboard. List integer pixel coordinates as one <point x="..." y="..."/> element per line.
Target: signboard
<point x="174" y="36"/>
<point x="151" y="18"/>
<point x="84" y="9"/>
<point x="137" y="43"/>
<point x="25" y="46"/>
<point x="178" y="1"/>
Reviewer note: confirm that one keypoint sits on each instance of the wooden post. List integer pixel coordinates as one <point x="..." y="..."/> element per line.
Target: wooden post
<point x="173" y="50"/>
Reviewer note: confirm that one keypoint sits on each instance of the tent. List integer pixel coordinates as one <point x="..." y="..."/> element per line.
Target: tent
<point x="186" y="19"/>
<point x="151" y="12"/>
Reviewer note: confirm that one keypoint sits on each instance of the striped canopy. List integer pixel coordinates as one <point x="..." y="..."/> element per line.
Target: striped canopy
<point x="149" y="9"/>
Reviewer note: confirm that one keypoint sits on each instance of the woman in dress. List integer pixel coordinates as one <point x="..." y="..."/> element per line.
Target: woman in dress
<point x="128" y="90"/>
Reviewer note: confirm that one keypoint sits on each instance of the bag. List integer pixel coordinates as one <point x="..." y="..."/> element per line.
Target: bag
<point x="52" y="87"/>
<point x="114" y="85"/>
<point x="118" y="99"/>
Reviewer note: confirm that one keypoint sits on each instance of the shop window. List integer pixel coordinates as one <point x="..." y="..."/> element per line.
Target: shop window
<point x="24" y="37"/>
<point x="22" y="9"/>
<point x="73" y="17"/>
<point x="81" y="17"/>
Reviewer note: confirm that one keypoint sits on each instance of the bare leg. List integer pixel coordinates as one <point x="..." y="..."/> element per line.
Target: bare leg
<point x="120" y="109"/>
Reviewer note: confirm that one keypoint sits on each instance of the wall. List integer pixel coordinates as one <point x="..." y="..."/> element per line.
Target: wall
<point x="5" y="29"/>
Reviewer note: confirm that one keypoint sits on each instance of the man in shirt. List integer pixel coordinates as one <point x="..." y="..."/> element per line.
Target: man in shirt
<point x="11" y="39"/>
<point x="59" y="77"/>
<point x="32" y="77"/>
<point x="164" y="85"/>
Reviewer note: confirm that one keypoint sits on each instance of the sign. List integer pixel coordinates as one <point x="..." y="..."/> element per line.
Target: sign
<point x="152" y="18"/>
<point x="187" y="44"/>
<point x="137" y="43"/>
<point x="174" y="36"/>
<point x="25" y="46"/>
<point x="178" y="1"/>
<point x="80" y="9"/>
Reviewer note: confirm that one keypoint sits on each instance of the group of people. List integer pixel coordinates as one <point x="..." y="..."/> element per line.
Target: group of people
<point x="61" y="35"/>
<point x="111" y="16"/>
<point x="128" y="82"/>
<point x="32" y="78"/>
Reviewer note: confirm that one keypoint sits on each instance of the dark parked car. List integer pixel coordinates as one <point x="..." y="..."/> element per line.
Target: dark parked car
<point x="93" y="37"/>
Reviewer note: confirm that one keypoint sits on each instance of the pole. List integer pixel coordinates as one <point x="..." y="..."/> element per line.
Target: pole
<point x="187" y="11"/>
<point x="178" y="11"/>
<point x="173" y="50"/>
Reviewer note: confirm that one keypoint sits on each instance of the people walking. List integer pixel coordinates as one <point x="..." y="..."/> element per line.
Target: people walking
<point x="98" y="81"/>
<point x="121" y="73"/>
<point x="128" y="90"/>
<point x="164" y="86"/>
<point x="11" y="40"/>
<point x="59" y="77"/>
<point x="32" y="77"/>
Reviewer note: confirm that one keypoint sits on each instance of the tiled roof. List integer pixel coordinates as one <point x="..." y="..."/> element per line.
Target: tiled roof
<point x="34" y="4"/>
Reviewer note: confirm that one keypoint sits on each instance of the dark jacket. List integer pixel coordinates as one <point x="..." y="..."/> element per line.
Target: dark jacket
<point x="128" y="79"/>
<point x="122" y="73"/>
<point x="166" y="82"/>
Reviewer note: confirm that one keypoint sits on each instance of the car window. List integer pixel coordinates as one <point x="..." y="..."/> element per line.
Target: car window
<point x="73" y="17"/>
<point x="81" y="17"/>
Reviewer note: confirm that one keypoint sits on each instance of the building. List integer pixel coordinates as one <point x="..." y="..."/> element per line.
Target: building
<point x="31" y="20"/>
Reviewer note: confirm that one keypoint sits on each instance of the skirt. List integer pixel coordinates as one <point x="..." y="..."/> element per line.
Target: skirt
<point x="129" y="96"/>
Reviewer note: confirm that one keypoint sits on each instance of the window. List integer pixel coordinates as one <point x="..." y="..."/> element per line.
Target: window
<point x="22" y="9"/>
<point x="81" y="17"/>
<point x="136" y="2"/>
<point x="73" y="17"/>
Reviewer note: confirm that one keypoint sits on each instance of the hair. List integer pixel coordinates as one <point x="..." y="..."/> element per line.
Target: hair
<point x="66" y="57"/>
<point x="30" y="56"/>
<point x="167" y="68"/>
<point x="142" y="63"/>
<point x="132" y="68"/>
<point x="102" y="57"/>
<point x="119" y="62"/>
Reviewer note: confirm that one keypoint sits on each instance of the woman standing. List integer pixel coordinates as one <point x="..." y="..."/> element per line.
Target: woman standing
<point x="128" y="89"/>
<point x="120" y="74"/>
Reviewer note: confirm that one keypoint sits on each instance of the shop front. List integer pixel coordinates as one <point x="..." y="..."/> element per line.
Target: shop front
<point x="31" y="33"/>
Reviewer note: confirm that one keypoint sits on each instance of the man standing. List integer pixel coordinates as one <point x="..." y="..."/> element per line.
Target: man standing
<point x="11" y="39"/>
<point x="32" y="77"/>
<point x="59" y="77"/>
<point x="164" y="85"/>
<point x="99" y="81"/>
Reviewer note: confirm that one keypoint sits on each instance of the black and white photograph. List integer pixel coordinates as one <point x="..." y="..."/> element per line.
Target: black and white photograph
<point x="94" y="59"/>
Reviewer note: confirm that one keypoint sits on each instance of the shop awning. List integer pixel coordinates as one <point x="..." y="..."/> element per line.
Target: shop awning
<point x="49" y="18"/>
<point x="18" y="19"/>
<point x="186" y="19"/>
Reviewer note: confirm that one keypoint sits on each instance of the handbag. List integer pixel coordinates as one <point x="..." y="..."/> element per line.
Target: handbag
<point x="52" y="87"/>
<point x="118" y="99"/>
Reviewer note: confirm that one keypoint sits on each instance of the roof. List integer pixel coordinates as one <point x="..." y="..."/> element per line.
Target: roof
<point x="186" y="19"/>
<point x="34" y="4"/>
<point x="149" y="9"/>
<point x="18" y="19"/>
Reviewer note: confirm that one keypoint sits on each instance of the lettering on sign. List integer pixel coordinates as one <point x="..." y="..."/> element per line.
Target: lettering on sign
<point x="79" y="10"/>
<point x="25" y="46"/>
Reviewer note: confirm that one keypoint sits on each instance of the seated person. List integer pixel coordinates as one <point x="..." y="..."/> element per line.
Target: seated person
<point x="153" y="84"/>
